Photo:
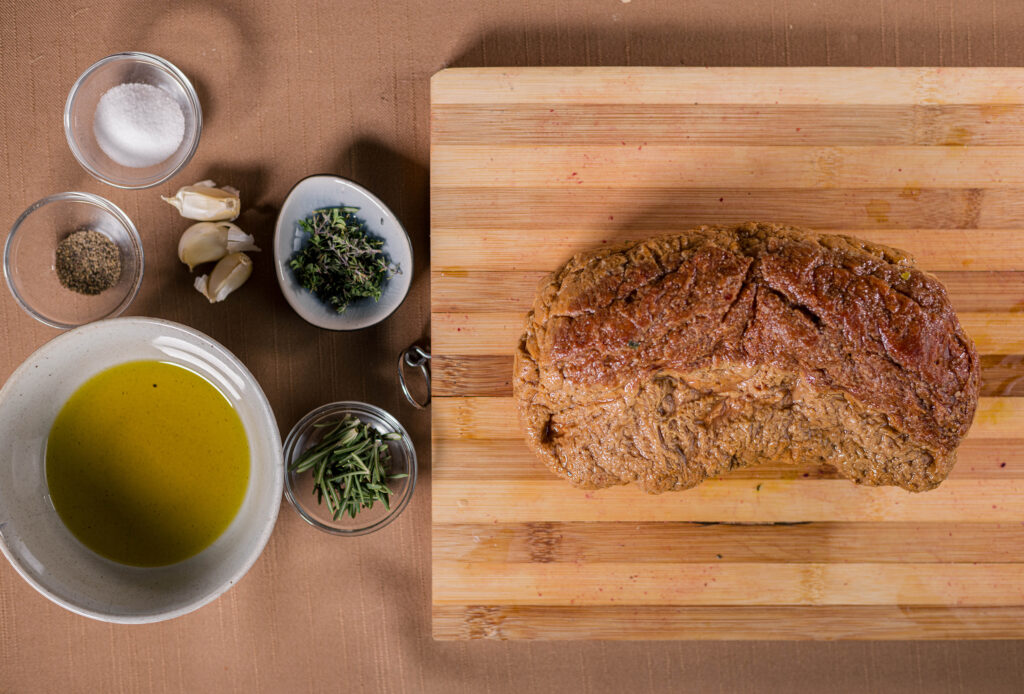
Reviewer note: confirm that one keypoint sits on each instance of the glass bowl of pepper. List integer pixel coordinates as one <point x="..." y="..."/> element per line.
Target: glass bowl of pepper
<point x="73" y="258"/>
<point x="350" y="468"/>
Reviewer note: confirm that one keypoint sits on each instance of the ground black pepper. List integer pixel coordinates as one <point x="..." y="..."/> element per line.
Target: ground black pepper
<point x="88" y="262"/>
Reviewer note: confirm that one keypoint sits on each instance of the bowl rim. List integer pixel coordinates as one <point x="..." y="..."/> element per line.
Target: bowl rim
<point x="76" y="197"/>
<point x="160" y="63"/>
<point x="354" y="407"/>
<point x="255" y="549"/>
<point x="289" y="292"/>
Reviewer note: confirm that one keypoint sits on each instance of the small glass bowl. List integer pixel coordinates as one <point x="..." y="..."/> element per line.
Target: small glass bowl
<point x="30" y="254"/>
<point x="122" y="68"/>
<point x="299" y="487"/>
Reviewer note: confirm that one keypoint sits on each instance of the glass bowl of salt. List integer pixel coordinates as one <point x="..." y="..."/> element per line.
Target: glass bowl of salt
<point x="133" y="120"/>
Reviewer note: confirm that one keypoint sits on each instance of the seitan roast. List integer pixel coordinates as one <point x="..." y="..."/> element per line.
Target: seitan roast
<point x="672" y="360"/>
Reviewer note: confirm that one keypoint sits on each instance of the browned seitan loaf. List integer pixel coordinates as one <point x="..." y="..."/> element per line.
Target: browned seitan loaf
<point x="675" y="359"/>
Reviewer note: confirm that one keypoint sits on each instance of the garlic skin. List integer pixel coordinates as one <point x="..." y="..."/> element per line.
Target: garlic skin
<point x="205" y="202"/>
<point x="228" y="274"/>
<point x="205" y="242"/>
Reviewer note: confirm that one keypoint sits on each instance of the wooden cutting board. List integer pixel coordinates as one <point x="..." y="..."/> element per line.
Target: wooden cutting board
<point x="529" y="166"/>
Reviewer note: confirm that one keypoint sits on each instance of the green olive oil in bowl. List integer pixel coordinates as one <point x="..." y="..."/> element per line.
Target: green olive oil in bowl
<point x="147" y="463"/>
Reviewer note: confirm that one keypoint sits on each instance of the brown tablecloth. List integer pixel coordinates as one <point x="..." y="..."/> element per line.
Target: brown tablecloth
<point x="294" y="88"/>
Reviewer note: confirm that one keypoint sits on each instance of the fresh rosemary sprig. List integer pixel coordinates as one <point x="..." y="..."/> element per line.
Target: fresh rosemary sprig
<point x="340" y="262"/>
<point x="350" y="466"/>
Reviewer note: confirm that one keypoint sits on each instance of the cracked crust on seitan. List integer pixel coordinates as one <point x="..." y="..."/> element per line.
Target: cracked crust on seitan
<point x="671" y="360"/>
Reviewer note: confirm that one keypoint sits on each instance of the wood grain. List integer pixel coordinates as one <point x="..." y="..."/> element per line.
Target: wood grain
<point x="724" y="85"/>
<point x="732" y="500"/>
<point x="805" y="125"/>
<point x="532" y="166"/>
<point x="752" y="167"/>
<point x="636" y="622"/>
<point x="514" y="250"/>
<point x="708" y="543"/>
<point x="495" y="459"/>
<point x="495" y="212"/>
<point x="723" y="584"/>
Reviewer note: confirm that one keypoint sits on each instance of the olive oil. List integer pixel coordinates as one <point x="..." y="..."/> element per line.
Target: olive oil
<point x="147" y="463"/>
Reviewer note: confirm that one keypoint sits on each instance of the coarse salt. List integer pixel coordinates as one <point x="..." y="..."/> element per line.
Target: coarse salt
<point x="138" y="125"/>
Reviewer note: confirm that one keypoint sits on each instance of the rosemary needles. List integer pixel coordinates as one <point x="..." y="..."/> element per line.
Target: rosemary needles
<point x="350" y="465"/>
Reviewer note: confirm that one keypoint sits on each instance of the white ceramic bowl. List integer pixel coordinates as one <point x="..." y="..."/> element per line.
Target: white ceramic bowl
<point x="324" y="190"/>
<point x="37" y="543"/>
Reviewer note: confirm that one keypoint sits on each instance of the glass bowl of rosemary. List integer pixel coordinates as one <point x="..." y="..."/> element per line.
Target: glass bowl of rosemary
<point x="350" y="468"/>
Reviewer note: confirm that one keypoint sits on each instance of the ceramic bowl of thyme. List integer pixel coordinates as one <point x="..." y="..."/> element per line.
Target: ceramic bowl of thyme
<point x="342" y="258"/>
<point x="350" y="468"/>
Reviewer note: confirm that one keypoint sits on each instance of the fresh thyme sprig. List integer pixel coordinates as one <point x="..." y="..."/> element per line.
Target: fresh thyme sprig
<point x="350" y="465"/>
<point x="340" y="262"/>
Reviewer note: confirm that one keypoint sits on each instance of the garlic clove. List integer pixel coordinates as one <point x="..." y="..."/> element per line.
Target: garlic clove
<point x="228" y="274"/>
<point x="205" y="202"/>
<point x="200" y="284"/>
<point x="205" y="242"/>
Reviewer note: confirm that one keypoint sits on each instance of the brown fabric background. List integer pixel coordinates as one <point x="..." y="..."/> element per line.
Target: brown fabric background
<point x="294" y="88"/>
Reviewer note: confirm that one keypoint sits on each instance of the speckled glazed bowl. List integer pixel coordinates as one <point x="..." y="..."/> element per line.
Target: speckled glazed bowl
<point x="37" y="543"/>
<point x="316" y="192"/>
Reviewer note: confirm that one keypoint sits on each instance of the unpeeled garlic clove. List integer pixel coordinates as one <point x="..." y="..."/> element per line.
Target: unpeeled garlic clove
<point x="205" y="202"/>
<point x="228" y="274"/>
<point x="205" y="242"/>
